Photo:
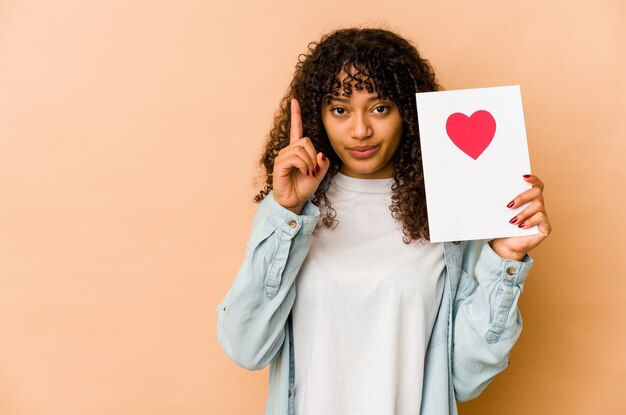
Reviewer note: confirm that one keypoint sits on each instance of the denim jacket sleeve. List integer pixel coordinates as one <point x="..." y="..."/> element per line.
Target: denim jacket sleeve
<point x="253" y="315"/>
<point x="486" y="319"/>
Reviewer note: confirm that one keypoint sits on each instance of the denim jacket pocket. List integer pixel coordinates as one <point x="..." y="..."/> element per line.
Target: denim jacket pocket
<point x="467" y="286"/>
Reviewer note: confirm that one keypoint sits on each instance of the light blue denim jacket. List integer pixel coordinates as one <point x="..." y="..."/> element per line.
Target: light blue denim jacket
<point x="477" y="323"/>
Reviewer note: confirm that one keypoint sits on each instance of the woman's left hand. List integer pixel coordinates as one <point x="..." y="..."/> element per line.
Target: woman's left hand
<point x="533" y="214"/>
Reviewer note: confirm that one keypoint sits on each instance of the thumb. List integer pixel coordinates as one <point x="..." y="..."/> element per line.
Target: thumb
<point x="324" y="164"/>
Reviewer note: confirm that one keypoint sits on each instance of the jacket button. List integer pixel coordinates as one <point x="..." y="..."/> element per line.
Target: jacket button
<point x="293" y="223"/>
<point x="289" y="393"/>
<point x="510" y="270"/>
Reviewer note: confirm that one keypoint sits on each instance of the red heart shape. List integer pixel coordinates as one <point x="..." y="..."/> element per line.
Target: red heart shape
<point x="471" y="134"/>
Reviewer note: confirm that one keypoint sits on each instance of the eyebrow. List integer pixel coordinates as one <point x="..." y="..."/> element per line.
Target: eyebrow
<point x="370" y="99"/>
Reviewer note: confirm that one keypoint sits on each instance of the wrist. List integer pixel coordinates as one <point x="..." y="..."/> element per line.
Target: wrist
<point x="294" y="209"/>
<point x="297" y="210"/>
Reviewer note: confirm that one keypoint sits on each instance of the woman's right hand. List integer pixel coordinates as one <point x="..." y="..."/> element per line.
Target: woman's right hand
<point x="298" y="168"/>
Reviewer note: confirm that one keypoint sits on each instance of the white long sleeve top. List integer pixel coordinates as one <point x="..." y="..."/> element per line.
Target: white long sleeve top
<point x="362" y="281"/>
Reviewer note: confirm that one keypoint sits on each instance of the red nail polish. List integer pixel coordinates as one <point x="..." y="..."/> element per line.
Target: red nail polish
<point x="307" y="172"/>
<point x="323" y="157"/>
<point x="317" y="169"/>
<point x="521" y="225"/>
<point x="314" y="173"/>
<point x="513" y="220"/>
<point x="527" y="176"/>
<point x="511" y="204"/>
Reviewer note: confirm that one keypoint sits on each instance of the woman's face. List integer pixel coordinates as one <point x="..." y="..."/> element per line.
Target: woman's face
<point x="365" y="133"/>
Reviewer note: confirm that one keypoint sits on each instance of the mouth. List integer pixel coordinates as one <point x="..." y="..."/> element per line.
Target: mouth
<point x="363" y="152"/>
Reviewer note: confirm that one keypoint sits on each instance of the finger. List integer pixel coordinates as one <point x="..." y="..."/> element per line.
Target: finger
<point x="531" y="209"/>
<point x="525" y="197"/>
<point x="534" y="180"/>
<point x="301" y="152"/>
<point x="296" y="122"/>
<point x="539" y="219"/>
<point x="289" y="162"/>
<point x="324" y="164"/>
<point x="307" y="145"/>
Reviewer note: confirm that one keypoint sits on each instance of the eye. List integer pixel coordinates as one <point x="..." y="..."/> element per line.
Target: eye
<point x="338" y="110"/>
<point x="381" y="109"/>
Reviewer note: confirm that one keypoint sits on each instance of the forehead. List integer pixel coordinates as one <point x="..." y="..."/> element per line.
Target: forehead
<point x="351" y="82"/>
<point x="358" y="78"/>
<point x="361" y="96"/>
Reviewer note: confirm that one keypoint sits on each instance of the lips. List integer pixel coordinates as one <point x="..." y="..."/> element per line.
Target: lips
<point x="363" y="152"/>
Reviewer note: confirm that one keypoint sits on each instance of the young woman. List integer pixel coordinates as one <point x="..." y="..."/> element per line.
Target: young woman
<point x="341" y="292"/>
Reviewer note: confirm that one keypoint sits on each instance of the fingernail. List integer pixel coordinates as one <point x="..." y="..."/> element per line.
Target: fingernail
<point x="527" y="176"/>
<point x="513" y="220"/>
<point x="317" y="168"/>
<point x="323" y="157"/>
<point x="511" y="204"/>
<point x="307" y="172"/>
<point x="314" y="173"/>
<point x="521" y="225"/>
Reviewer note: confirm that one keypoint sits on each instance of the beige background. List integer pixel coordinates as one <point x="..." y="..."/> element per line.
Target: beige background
<point x="129" y="133"/>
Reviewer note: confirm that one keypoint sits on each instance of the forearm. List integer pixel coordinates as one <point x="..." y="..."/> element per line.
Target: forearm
<point x="487" y="322"/>
<point x="252" y="316"/>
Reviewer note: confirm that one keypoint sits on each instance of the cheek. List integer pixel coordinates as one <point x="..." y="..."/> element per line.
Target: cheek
<point x="334" y="134"/>
<point x="328" y="127"/>
<point x="398" y="130"/>
<point x="336" y="148"/>
<point x="393" y="133"/>
<point x="334" y="129"/>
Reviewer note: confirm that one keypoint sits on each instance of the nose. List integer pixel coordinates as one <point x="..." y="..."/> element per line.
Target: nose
<point x="360" y="128"/>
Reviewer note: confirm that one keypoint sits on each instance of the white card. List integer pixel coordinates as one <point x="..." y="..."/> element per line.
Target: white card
<point x="474" y="153"/>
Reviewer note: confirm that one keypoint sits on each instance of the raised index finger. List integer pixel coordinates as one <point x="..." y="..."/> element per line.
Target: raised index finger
<point x="296" y="122"/>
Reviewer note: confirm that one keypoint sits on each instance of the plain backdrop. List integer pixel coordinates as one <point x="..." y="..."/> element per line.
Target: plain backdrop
<point x="129" y="139"/>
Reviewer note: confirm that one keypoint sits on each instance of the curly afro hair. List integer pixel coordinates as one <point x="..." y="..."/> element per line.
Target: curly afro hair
<point x="376" y="60"/>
